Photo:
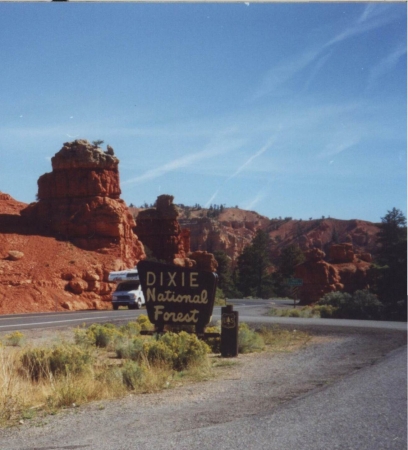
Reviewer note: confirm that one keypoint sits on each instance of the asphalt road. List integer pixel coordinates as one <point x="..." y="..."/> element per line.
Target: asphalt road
<point x="251" y="311"/>
<point x="365" y="411"/>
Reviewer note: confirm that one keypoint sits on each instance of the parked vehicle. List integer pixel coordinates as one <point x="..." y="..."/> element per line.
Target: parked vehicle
<point x="128" y="292"/>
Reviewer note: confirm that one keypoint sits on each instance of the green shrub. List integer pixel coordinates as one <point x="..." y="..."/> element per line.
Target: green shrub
<point x="157" y="352"/>
<point x="186" y="349"/>
<point x="130" y="349"/>
<point x="248" y="340"/>
<point x="130" y="329"/>
<point x="325" y="311"/>
<point x="219" y="297"/>
<point x="361" y="305"/>
<point x="83" y="338"/>
<point x="104" y="334"/>
<point x="15" y="339"/>
<point x="99" y="335"/>
<point x="366" y="305"/>
<point x="294" y="313"/>
<point x="144" y="323"/>
<point x="36" y="362"/>
<point x="178" y="350"/>
<point x="62" y="359"/>
<point x="132" y="374"/>
<point x="336" y="299"/>
<point x="215" y="342"/>
<point x="112" y="376"/>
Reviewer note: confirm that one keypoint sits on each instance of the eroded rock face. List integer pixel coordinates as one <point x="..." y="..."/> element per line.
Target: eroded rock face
<point x="348" y="272"/>
<point x="160" y="231"/>
<point x="229" y="236"/>
<point x="319" y="277"/>
<point x="79" y="200"/>
<point x="204" y="261"/>
<point x="341" y="253"/>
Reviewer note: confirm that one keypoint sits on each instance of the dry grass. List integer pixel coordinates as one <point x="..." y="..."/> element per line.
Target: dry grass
<point x="24" y="398"/>
<point x="282" y="340"/>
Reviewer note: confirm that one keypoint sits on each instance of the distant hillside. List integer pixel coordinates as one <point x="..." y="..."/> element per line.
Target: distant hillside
<point x="231" y="229"/>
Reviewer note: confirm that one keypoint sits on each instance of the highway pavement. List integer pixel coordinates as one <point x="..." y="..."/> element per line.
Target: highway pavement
<point x="250" y="310"/>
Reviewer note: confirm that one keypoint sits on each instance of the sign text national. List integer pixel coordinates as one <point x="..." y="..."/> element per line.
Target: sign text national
<point x="177" y="296"/>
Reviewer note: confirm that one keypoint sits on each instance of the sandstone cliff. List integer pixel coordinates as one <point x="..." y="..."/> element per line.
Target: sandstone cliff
<point x="159" y="230"/>
<point x="235" y="228"/>
<point x="79" y="200"/>
<point x="347" y="272"/>
<point x="57" y="253"/>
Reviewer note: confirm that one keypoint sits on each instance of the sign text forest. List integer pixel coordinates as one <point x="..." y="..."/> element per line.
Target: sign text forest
<point x="177" y="296"/>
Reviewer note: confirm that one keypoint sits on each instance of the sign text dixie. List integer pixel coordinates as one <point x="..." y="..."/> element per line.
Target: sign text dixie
<point x="176" y="295"/>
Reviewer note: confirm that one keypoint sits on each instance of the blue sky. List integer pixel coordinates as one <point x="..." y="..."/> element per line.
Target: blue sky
<point x="286" y="109"/>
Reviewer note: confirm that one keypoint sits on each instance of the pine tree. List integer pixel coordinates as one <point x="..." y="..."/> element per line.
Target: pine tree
<point x="391" y="274"/>
<point x="290" y="257"/>
<point x="225" y="275"/>
<point x="254" y="278"/>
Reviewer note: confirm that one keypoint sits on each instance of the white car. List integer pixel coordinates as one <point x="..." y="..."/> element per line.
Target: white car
<point x="128" y="292"/>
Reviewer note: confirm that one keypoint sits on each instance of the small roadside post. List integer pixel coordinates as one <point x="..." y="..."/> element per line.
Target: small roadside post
<point x="229" y="332"/>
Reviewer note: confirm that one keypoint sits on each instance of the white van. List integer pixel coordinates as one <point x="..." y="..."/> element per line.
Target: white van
<point x="128" y="292"/>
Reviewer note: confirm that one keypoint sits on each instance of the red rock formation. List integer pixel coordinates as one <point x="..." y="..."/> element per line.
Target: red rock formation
<point x="159" y="230"/>
<point x="348" y="272"/>
<point x="365" y="256"/>
<point x="319" y="277"/>
<point x="79" y="200"/>
<point x="185" y="239"/>
<point x="204" y="261"/>
<point x="211" y="235"/>
<point x="341" y="253"/>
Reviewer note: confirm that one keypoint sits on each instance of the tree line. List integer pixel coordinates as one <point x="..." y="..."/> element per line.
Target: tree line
<point x="256" y="276"/>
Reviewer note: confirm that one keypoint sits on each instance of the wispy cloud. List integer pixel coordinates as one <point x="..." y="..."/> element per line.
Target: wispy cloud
<point x="337" y="147"/>
<point x="212" y="198"/>
<point x="257" y="199"/>
<point x="373" y="10"/>
<point x="386" y="65"/>
<point x="372" y="17"/>
<point x="241" y="168"/>
<point x="317" y="67"/>
<point x="278" y="75"/>
<point x="251" y="158"/>
<point x="210" y="151"/>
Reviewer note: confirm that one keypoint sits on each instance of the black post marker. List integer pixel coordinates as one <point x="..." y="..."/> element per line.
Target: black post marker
<point x="229" y="332"/>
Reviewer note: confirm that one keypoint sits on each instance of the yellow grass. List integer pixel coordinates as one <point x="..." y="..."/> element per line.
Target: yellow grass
<point x="22" y="398"/>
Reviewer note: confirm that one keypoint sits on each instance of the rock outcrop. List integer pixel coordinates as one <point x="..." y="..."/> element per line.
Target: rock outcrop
<point x="159" y="230"/>
<point x="347" y="272"/>
<point x="211" y="235"/>
<point x="341" y="253"/>
<point x="319" y="277"/>
<point x="80" y="201"/>
<point x="57" y="253"/>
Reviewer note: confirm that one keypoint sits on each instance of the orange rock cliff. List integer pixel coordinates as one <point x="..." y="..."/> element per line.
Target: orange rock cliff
<point x="70" y="239"/>
<point x="158" y="228"/>
<point x="347" y="272"/>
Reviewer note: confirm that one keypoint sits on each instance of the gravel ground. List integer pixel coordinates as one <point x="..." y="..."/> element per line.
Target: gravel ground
<point x="246" y="386"/>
